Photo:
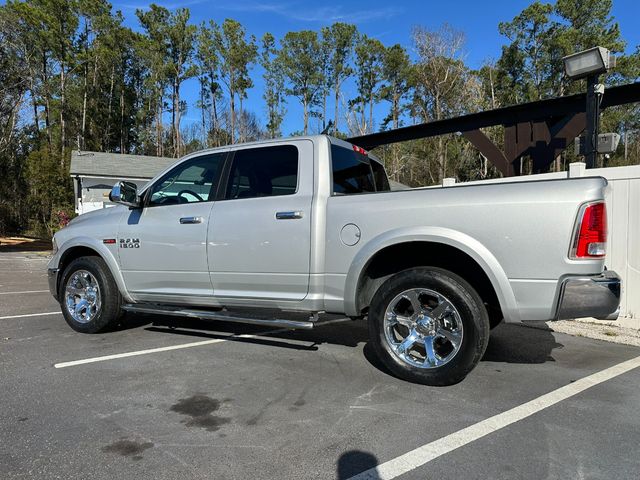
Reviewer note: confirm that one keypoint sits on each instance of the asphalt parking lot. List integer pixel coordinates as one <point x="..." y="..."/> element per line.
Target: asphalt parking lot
<point x="166" y="398"/>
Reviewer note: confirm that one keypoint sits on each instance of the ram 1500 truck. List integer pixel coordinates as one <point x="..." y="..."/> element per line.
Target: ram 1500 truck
<point x="310" y="226"/>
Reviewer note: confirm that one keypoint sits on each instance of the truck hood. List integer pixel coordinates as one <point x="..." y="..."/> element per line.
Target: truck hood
<point x="97" y="216"/>
<point x="94" y="224"/>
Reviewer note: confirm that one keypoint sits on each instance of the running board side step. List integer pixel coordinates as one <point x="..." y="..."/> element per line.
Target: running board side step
<point x="221" y="316"/>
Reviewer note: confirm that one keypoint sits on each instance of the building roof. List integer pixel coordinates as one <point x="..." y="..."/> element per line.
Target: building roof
<point x="117" y="165"/>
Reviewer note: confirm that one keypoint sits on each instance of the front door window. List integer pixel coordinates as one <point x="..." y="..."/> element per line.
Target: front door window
<point x="192" y="181"/>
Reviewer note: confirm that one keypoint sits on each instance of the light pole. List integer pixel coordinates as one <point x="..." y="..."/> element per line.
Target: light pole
<point x="590" y="64"/>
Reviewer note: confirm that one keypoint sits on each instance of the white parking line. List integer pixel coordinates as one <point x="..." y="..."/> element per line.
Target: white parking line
<point x="142" y="352"/>
<point x="31" y="315"/>
<point x="422" y="455"/>
<point x="181" y="346"/>
<point x="26" y="291"/>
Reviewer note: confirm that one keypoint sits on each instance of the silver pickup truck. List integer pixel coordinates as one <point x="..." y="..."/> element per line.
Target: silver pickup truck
<point x="297" y="228"/>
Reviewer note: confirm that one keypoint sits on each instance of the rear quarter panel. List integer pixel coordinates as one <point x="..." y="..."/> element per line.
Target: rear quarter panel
<point x="518" y="232"/>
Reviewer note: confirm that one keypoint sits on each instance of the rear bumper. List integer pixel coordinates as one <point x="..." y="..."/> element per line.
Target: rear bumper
<point x="590" y="296"/>
<point x="52" y="277"/>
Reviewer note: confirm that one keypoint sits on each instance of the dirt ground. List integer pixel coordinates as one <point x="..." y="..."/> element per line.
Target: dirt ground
<point x="24" y="244"/>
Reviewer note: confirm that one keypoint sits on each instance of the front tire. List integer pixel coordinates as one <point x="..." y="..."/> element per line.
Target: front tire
<point x="428" y="326"/>
<point x="89" y="296"/>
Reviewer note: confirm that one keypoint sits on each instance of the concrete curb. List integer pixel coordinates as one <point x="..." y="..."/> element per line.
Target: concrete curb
<point x="599" y="330"/>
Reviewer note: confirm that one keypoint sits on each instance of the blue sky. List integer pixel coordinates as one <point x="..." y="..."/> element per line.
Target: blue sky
<point x="389" y="21"/>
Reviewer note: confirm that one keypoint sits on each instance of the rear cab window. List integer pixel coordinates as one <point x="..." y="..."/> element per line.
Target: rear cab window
<point x="380" y="177"/>
<point x="354" y="172"/>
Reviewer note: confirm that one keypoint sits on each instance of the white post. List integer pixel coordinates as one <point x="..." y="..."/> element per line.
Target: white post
<point x="577" y="169"/>
<point x="447" y="182"/>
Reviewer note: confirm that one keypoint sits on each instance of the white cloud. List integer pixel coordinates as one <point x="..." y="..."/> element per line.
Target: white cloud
<point x="168" y="5"/>
<point x="305" y="13"/>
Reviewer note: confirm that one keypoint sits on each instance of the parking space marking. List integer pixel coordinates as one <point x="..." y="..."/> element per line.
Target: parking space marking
<point x="182" y="346"/>
<point x="143" y="352"/>
<point x="426" y="453"/>
<point x="26" y="291"/>
<point x="31" y="315"/>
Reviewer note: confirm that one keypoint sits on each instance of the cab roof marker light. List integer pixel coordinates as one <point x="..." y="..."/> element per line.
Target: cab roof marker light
<point x="360" y="150"/>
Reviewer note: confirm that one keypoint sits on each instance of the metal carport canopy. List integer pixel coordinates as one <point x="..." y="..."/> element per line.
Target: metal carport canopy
<point x="542" y="109"/>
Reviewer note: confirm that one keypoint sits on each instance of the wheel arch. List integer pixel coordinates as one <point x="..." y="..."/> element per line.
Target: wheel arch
<point x="428" y="246"/>
<point x="86" y="246"/>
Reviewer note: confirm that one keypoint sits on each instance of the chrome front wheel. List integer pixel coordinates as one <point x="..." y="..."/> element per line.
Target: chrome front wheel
<point x="82" y="296"/>
<point x="89" y="296"/>
<point x="423" y="328"/>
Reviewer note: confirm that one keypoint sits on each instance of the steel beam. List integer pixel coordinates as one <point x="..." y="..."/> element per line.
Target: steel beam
<point x="490" y="150"/>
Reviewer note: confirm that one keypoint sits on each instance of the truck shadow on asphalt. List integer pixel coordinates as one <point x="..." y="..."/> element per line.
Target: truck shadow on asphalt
<point x="521" y="344"/>
<point x="349" y="334"/>
<point x="507" y="343"/>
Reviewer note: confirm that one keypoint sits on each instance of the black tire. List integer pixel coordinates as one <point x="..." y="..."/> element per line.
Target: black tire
<point x="109" y="312"/>
<point x="472" y="314"/>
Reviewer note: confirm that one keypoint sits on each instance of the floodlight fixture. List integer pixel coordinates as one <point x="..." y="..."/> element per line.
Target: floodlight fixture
<point x="589" y="62"/>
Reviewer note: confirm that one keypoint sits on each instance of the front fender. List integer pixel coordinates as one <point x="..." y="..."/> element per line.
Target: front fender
<point x="453" y="238"/>
<point x="101" y="249"/>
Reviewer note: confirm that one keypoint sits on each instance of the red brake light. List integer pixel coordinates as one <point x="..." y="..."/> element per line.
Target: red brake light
<point x="591" y="235"/>
<point x="359" y="150"/>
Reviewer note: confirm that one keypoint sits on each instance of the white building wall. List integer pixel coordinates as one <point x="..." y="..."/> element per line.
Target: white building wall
<point x="95" y="193"/>
<point x="623" y="209"/>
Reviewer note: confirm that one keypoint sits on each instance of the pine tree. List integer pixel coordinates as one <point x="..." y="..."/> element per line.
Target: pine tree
<point x="236" y="54"/>
<point x="300" y="57"/>
<point x="341" y="37"/>
<point x="273" y="85"/>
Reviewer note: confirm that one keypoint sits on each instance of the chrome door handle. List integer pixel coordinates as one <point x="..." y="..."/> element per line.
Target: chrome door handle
<point x="187" y="220"/>
<point x="288" y="215"/>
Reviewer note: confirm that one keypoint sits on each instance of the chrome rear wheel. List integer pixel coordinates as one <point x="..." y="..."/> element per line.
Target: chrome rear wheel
<point x="423" y="328"/>
<point x="428" y="325"/>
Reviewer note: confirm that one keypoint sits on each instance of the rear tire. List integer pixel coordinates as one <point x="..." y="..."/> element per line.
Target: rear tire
<point x="428" y="325"/>
<point x="89" y="297"/>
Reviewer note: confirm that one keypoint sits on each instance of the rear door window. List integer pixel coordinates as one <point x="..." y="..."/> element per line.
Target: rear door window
<point x="263" y="172"/>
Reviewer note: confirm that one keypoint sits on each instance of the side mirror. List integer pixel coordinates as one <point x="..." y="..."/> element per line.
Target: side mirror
<point x="125" y="193"/>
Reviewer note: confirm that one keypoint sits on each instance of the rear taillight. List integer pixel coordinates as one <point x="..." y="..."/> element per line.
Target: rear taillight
<point x="590" y="240"/>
